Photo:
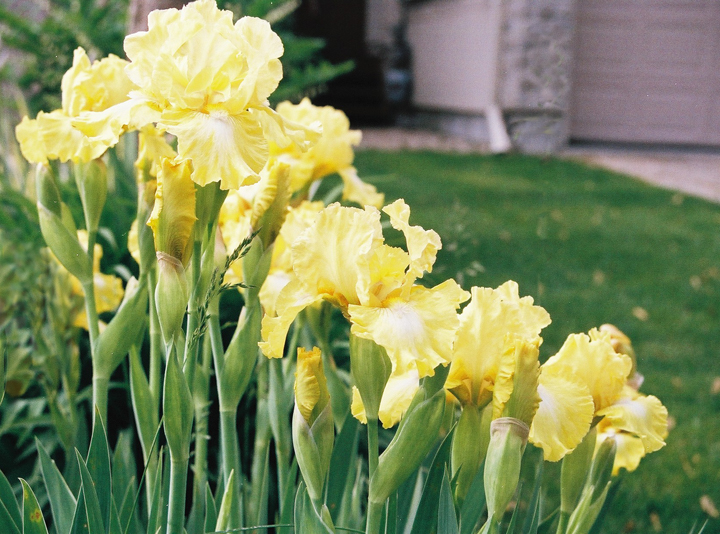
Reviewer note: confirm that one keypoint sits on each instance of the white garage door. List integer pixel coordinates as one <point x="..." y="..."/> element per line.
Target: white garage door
<point x="647" y="71"/>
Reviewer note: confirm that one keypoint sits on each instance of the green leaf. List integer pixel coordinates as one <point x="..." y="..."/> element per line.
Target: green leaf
<point x="178" y="410"/>
<point x="307" y="519"/>
<point x="341" y="464"/>
<point x="79" y="523"/>
<point x="228" y="503"/>
<point x="146" y="416"/>
<point x="474" y="503"/>
<point x="62" y="501"/>
<point x="391" y="515"/>
<point x="33" y="522"/>
<point x="548" y="522"/>
<point x="10" y="516"/>
<point x="427" y="511"/>
<point x="447" y="520"/>
<point x="532" y="520"/>
<point x="514" y="517"/>
<point x="156" y="503"/>
<point x="98" y="465"/>
<point x="287" y="509"/>
<point x="92" y="505"/>
<point x="210" y="510"/>
<point x="115" y="527"/>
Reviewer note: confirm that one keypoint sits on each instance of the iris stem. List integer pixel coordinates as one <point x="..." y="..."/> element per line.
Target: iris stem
<point x="176" y="504"/>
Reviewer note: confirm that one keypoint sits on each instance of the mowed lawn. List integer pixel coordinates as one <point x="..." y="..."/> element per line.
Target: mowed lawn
<point x="593" y="246"/>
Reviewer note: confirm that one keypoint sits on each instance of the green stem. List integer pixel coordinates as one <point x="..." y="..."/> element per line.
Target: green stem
<point x="563" y="522"/>
<point x="157" y="349"/>
<point x="191" y="344"/>
<point x="202" y="403"/>
<point x="373" y="451"/>
<point x="176" y="504"/>
<point x="100" y="397"/>
<point x="230" y="451"/>
<point x="374" y="517"/>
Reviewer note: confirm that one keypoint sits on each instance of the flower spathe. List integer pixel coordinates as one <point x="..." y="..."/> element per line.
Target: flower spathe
<point x="492" y="320"/>
<point x="205" y="80"/>
<point x="342" y="258"/>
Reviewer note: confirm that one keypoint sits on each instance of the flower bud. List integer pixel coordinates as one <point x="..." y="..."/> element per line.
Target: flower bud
<point x="171" y="295"/>
<point x="370" y="368"/>
<point x="177" y="409"/>
<point x="409" y="447"/>
<point x="313" y="431"/>
<point x="57" y="227"/>
<point x="240" y="359"/>
<point x="508" y="437"/>
<point x="91" y="180"/>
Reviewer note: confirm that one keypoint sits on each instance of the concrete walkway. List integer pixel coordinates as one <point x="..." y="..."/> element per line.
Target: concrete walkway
<point x="691" y="171"/>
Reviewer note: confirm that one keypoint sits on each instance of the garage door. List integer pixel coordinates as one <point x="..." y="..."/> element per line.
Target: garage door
<point x="647" y="71"/>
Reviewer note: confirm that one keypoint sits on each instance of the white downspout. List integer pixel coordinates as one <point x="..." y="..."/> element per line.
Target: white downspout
<point x="499" y="138"/>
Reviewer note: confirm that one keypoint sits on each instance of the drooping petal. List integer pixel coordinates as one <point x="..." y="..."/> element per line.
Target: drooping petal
<point x="292" y="300"/>
<point x="28" y="135"/>
<point x="417" y="331"/>
<point x="640" y="415"/>
<point x="563" y="417"/>
<point x="592" y="359"/>
<point x="230" y="149"/>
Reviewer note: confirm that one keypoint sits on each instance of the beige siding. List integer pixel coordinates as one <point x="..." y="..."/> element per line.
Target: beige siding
<point x="647" y="71"/>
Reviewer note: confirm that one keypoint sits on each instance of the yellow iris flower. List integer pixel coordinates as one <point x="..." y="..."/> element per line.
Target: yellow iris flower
<point x="86" y="88"/>
<point x="342" y="258"/>
<point x="205" y="80"/>
<point x="492" y="322"/>
<point x="333" y="153"/>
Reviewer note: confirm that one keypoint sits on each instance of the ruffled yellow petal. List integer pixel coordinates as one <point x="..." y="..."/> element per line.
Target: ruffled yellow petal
<point x="642" y="416"/>
<point x="417" y="331"/>
<point x="396" y="399"/>
<point x="356" y="190"/>
<point x="96" y="86"/>
<point x="422" y="245"/>
<point x="230" y="149"/>
<point x="593" y="360"/>
<point x="563" y="417"/>
<point x="330" y="255"/>
<point x="173" y="215"/>
<point x="291" y="301"/>
<point x="31" y="145"/>
<point x="493" y="317"/>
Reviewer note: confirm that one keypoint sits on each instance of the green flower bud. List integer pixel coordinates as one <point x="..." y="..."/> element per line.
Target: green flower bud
<point x="171" y="295"/>
<point x="370" y="368"/>
<point x="57" y="228"/>
<point x="411" y="444"/>
<point x="508" y="437"/>
<point x="91" y="180"/>
<point x="240" y="359"/>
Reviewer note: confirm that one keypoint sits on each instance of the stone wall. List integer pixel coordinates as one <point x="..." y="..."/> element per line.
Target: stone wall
<point x="535" y="71"/>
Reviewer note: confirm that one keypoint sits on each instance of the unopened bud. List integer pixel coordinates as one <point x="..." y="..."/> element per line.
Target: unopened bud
<point x="171" y="295"/>
<point x="91" y="180"/>
<point x="370" y="368"/>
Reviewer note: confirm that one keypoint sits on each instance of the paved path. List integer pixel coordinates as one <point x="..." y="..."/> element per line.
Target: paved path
<point x="691" y="171"/>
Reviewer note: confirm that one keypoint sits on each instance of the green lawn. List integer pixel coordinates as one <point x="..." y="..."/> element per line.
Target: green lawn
<point x="592" y="246"/>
